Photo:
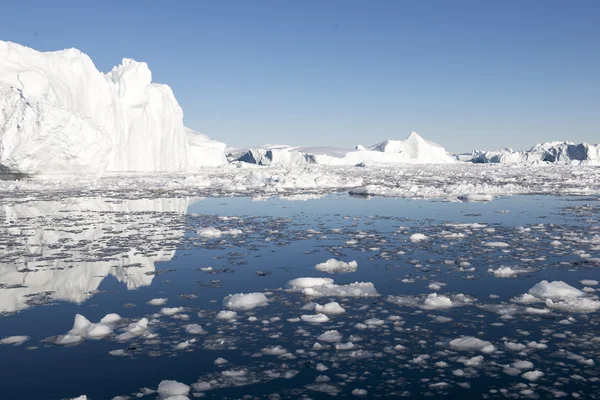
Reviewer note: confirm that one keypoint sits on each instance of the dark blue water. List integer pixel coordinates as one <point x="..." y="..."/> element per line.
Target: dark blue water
<point x="97" y="257"/>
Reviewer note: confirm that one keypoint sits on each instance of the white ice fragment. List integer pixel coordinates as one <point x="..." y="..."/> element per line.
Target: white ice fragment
<point x="333" y="266"/>
<point x="243" y="302"/>
<point x="194" y="329"/>
<point x="158" y="302"/>
<point x="226" y="315"/>
<point x="331" y="336"/>
<point x="435" y="302"/>
<point x="171" y="310"/>
<point x="301" y="283"/>
<point x="332" y="308"/>
<point x="172" y="388"/>
<point x="497" y="244"/>
<point x="556" y="290"/>
<point x="315" y="319"/>
<point x="417" y="237"/>
<point x="14" y="340"/>
<point x="533" y="375"/>
<point x="473" y="344"/>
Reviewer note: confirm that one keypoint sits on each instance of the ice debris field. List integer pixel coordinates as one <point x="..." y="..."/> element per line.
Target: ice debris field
<point x="142" y="259"/>
<point x="338" y="296"/>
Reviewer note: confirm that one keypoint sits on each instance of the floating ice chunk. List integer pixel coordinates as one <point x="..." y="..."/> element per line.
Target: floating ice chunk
<point x="556" y="290"/>
<point x="243" y="302"/>
<point x="171" y="310"/>
<point x="315" y="319"/>
<point x="68" y="339"/>
<point x="359" y="392"/>
<point x="274" y="351"/>
<point x="209" y="232"/>
<point x="194" y="329"/>
<point x="158" y="302"/>
<point x="82" y="397"/>
<point x="472" y="197"/>
<point x="227" y="315"/>
<point x="514" y="346"/>
<point x="184" y="345"/>
<point x="356" y="289"/>
<point x="301" y="283"/>
<point x="332" y="308"/>
<point x="327" y="388"/>
<point x="522" y="365"/>
<point x="473" y="344"/>
<point x="588" y="282"/>
<point x="533" y="375"/>
<point x="14" y="340"/>
<point x="321" y="368"/>
<point x="167" y="389"/>
<point x="332" y="336"/>
<point x="97" y="331"/>
<point x="372" y="322"/>
<point x="110" y="319"/>
<point x="344" y="346"/>
<point x="133" y="330"/>
<point x="506" y="272"/>
<point x="435" y="301"/>
<point x="574" y="305"/>
<point x="333" y="266"/>
<point x="417" y="237"/>
<point x="496" y="244"/>
<point x="220" y="361"/>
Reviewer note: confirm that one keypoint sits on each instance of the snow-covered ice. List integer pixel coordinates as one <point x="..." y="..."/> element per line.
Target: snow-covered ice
<point x="243" y="302"/>
<point x="333" y="266"/>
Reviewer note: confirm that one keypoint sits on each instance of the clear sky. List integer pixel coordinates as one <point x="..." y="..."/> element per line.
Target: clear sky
<point x="466" y="74"/>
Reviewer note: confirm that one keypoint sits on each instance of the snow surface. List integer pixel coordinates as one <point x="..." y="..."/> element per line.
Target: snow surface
<point x="59" y="114"/>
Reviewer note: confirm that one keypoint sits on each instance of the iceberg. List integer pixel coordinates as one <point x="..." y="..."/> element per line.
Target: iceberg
<point x="413" y="150"/>
<point x="59" y="114"/>
<point x="564" y="153"/>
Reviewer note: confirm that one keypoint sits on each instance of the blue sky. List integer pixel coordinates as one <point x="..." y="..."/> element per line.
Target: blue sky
<point x="466" y="74"/>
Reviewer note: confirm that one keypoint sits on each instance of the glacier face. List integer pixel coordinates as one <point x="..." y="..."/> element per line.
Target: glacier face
<point x="412" y="150"/>
<point x="59" y="114"/>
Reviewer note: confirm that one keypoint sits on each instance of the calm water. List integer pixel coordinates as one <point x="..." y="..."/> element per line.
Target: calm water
<point x="99" y="256"/>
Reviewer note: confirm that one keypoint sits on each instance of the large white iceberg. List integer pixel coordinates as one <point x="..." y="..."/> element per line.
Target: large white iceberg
<point x="59" y="114"/>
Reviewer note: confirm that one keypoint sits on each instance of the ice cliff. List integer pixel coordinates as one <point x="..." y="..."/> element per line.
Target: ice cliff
<point x="59" y="114"/>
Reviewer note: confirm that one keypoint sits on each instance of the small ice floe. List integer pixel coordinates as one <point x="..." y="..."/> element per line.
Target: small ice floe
<point x="14" y="340"/>
<point x="220" y="361"/>
<point x="315" y="319"/>
<point x="158" y="302"/>
<point x="475" y="197"/>
<point x="432" y="301"/>
<point x="133" y="330"/>
<point x="171" y="310"/>
<point x="274" y="351"/>
<point x="299" y="284"/>
<point x="556" y="290"/>
<point x="356" y="289"/>
<point x="472" y="344"/>
<point x="194" y="329"/>
<point x="84" y="329"/>
<point x="499" y="245"/>
<point x="227" y="315"/>
<point x="574" y="305"/>
<point x="185" y="344"/>
<point x="588" y="282"/>
<point x="82" y="397"/>
<point x="327" y="388"/>
<point x="417" y="237"/>
<point x="507" y="272"/>
<point x="331" y="336"/>
<point x="533" y="375"/>
<point x="436" y="285"/>
<point x="212" y="232"/>
<point x="333" y="266"/>
<point x="332" y="308"/>
<point x="243" y="302"/>
<point x="173" y="390"/>
<point x="359" y="392"/>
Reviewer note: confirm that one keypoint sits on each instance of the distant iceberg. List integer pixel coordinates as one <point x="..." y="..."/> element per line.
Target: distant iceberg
<point x="413" y="150"/>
